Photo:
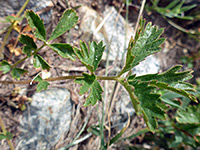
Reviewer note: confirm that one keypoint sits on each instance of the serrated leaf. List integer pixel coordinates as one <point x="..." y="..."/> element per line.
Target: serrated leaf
<point x="146" y="42"/>
<point x="171" y="76"/>
<point x="40" y="62"/>
<point x="17" y="72"/>
<point x="64" y="50"/>
<point x="42" y="84"/>
<point x="67" y="21"/>
<point x="171" y="80"/>
<point x="150" y="103"/>
<point x="93" y="86"/>
<point x="5" y="66"/>
<point x="90" y="57"/>
<point x="30" y="44"/>
<point x="191" y="115"/>
<point x="25" y="39"/>
<point x="163" y="85"/>
<point x="36" y="24"/>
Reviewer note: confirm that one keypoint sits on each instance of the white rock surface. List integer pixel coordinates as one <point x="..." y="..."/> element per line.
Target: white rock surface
<point x="46" y="121"/>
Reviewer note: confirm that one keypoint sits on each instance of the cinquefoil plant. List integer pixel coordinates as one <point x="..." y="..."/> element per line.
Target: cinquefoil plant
<point x="142" y="89"/>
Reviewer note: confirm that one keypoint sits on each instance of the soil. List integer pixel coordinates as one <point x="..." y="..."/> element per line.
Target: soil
<point x="177" y="45"/>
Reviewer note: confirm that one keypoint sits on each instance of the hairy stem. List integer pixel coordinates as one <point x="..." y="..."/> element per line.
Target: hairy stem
<point x="61" y="78"/>
<point x="21" y="60"/>
<point x="4" y="132"/>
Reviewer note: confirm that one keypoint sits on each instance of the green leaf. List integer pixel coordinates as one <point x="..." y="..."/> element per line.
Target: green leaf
<point x="170" y="102"/>
<point x="146" y="42"/>
<point x="163" y="85"/>
<point x="36" y="24"/>
<point x="171" y="80"/>
<point x="129" y="88"/>
<point x="2" y="136"/>
<point x="64" y="50"/>
<point x="150" y="104"/>
<point x="92" y="57"/>
<point x="174" y="10"/>
<point x="30" y="44"/>
<point x="9" y="135"/>
<point x="186" y="8"/>
<point x="67" y="21"/>
<point x="144" y="89"/>
<point x="172" y="4"/>
<point x="94" y="130"/>
<point x="171" y="76"/>
<point x="17" y="72"/>
<point x="5" y="66"/>
<point x="42" y="84"/>
<point x="12" y="18"/>
<point x="93" y="86"/>
<point x="191" y="115"/>
<point x="40" y="62"/>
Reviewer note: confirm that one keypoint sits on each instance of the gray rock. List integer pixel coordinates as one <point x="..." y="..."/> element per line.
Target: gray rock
<point x="9" y="7"/>
<point x="111" y="29"/>
<point x="149" y="66"/>
<point x="47" y="120"/>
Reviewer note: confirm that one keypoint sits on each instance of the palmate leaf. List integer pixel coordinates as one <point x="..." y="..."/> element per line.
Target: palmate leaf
<point x="40" y="62"/>
<point x="42" y="84"/>
<point x="146" y="42"/>
<point x="90" y="57"/>
<point x="64" y="50"/>
<point x="90" y="83"/>
<point x="67" y="21"/>
<point x="36" y="24"/>
<point x="30" y="44"/>
<point x="150" y="103"/>
<point x="17" y="72"/>
<point x="171" y="80"/>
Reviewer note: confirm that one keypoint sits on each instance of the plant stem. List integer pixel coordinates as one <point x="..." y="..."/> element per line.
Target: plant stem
<point x="21" y="60"/>
<point x="5" y="39"/>
<point x="22" y="8"/>
<point x="62" y="78"/>
<point x="11" y="27"/>
<point x="4" y="132"/>
<point x="2" y="126"/>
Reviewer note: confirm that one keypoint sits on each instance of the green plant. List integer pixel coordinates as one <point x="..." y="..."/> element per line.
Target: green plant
<point x="181" y="128"/>
<point x="176" y="9"/>
<point x="141" y="89"/>
<point x="5" y="134"/>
